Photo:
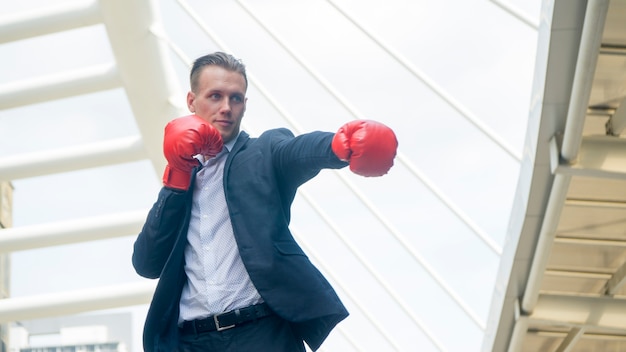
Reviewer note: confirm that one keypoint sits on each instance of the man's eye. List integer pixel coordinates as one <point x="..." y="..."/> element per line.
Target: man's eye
<point x="237" y="99"/>
<point x="215" y="96"/>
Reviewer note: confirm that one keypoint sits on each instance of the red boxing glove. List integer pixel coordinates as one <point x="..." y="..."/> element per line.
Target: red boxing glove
<point x="185" y="137"/>
<point x="369" y="146"/>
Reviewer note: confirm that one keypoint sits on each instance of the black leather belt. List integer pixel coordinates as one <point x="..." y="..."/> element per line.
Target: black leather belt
<point x="226" y="320"/>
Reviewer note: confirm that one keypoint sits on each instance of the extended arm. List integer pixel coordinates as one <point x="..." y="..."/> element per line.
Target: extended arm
<point x="368" y="146"/>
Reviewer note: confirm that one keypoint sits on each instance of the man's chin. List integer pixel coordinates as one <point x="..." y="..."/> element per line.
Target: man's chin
<point x="226" y="137"/>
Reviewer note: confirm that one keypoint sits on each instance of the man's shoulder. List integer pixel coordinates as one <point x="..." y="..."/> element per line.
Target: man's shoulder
<point x="279" y="136"/>
<point x="271" y="136"/>
<point x="277" y="132"/>
<point x="285" y="132"/>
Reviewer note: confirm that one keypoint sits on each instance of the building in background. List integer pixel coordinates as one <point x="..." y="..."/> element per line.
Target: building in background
<point x="80" y="333"/>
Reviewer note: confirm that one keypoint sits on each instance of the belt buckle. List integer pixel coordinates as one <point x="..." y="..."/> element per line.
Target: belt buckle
<point x="221" y="328"/>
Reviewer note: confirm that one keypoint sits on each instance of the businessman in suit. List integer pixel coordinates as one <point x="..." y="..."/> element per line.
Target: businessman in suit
<point x="231" y="276"/>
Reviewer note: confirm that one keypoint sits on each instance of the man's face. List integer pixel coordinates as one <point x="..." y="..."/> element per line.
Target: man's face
<point x="220" y="99"/>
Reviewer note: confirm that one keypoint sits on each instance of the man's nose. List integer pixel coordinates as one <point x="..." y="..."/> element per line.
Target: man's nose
<point x="225" y="105"/>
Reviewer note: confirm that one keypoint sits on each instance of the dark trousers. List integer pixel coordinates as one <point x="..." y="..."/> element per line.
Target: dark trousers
<point x="271" y="334"/>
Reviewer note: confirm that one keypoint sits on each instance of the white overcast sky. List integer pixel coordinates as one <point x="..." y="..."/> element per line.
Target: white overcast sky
<point x="474" y="50"/>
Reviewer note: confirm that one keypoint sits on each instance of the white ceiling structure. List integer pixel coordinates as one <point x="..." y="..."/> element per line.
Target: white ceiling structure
<point x="478" y="239"/>
<point x="563" y="268"/>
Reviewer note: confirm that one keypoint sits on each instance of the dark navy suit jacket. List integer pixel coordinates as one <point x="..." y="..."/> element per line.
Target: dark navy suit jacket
<point x="261" y="177"/>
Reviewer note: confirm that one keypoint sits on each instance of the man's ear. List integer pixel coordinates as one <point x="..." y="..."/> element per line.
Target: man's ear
<point x="190" y="99"/>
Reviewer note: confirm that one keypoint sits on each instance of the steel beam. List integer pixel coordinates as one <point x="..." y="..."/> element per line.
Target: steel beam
<point x="617" y="122"/>
<point x="535" y="216"/>
<point x="79" y="157"/>
<point x="600" y="314"/>
<point x="599" y="156"/>
<point x="568" y="343"/>
<point x="580" y="314"/>
<point x="71" y="231"/>
<point x="591" y="38"/>
<point x="145" y="69"/>
<point x="570" y="149"/>
<point x="74" y="302"/>
<point x="58" y="86"/>
<point x="617" y="281"/>
<point x="48" y="19"/>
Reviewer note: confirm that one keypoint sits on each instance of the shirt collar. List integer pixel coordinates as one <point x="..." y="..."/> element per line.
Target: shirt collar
<point x="229" y="146"/>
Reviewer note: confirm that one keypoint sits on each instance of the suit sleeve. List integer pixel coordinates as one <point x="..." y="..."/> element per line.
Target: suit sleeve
<point x="159" y="233"/>
<point x="300" y="158"/>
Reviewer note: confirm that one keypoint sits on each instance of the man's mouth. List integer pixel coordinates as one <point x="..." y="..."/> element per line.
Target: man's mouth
<point x="224" y="123"/>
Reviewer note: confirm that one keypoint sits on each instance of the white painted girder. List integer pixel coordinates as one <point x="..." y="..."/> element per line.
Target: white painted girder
<point x="74" y="302"/>
<point x="590" y="42"/>
<point x="579" y="314"/>
<point x="617" y="280"/>
<point x="559" y="106"/>
<point x="617" y="122"/>
<point x="71" y="231"/>
<point x="602" y="314"/>
<point x="58" y="86"/>
<point x="145" y="69"/>
<point x="116" y="151"/>
<point x="571" y="149"/>
<point x="49" y="19"/>
<point x="599" y="156"/>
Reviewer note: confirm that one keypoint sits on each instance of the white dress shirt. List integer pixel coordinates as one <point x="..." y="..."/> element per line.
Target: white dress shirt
<point x="217" y="280"/>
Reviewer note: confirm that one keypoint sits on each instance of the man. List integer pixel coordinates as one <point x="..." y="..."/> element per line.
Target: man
<point x="232" y="278"/>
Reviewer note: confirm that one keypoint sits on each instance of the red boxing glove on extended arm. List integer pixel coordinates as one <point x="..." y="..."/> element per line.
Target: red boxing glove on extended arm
<point x="185" y="137"/>
<point x="369" y="146"/>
